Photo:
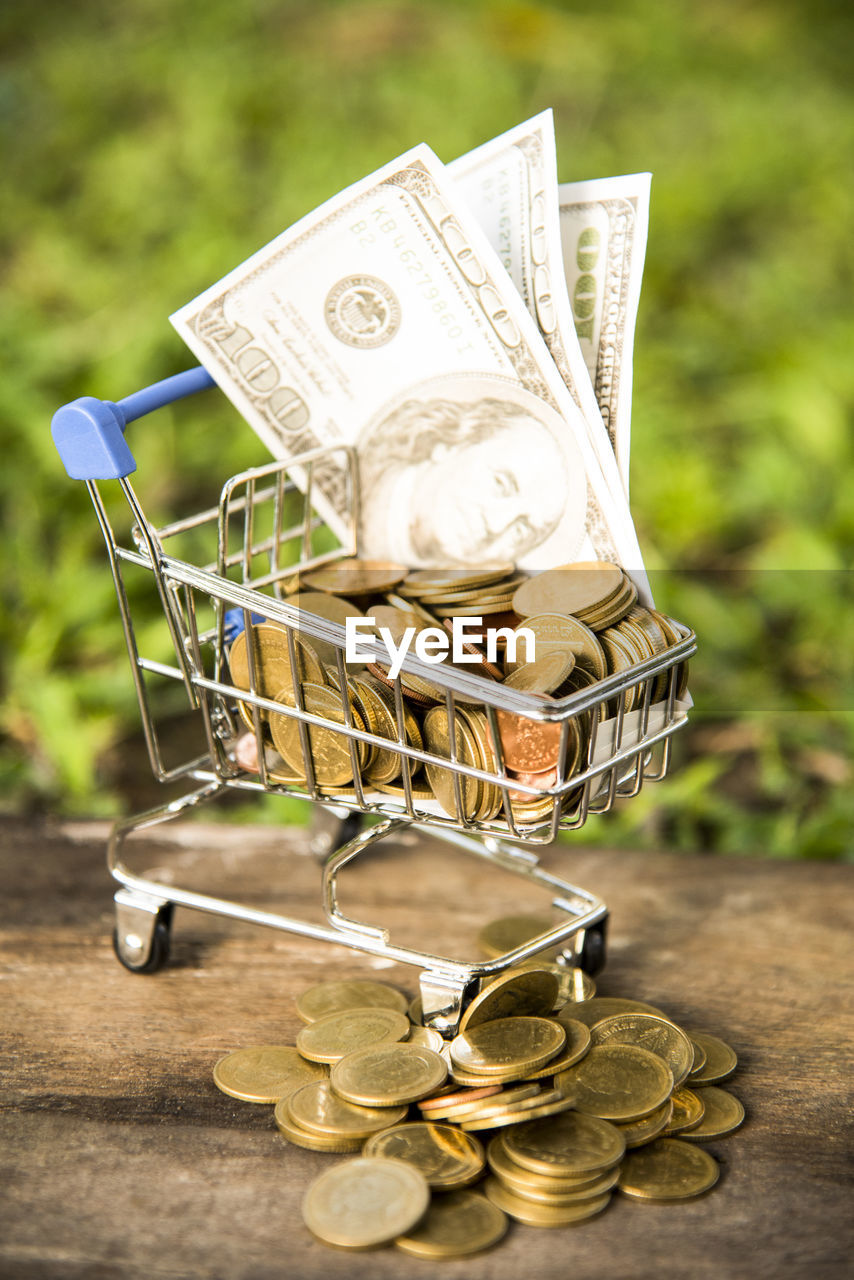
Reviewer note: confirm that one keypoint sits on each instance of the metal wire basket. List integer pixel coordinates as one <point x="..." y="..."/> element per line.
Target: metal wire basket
<point x="244" y="554"/>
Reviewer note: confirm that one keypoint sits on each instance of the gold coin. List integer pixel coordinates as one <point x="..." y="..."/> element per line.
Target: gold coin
<point x="620" y="660"/>
<point x="491" y="797"/>
<point x="333" y="609"/>
<point x="659" y="1035"/>
<point x="277" y="771"/>
<point x="612" y="610"/>
<point x="668" y="1169"/>
<point x="592" y="1011"/>
<point x="498" y="1102"/>
<point x="455" y="1226"/>
<point x="639" y="638"/>
<point x="669" y="629"/>
<point x="474" y="602"/>
<point x="329" y="1038"/>
<point x="673" y="636"/>
<point x="348" y="993"/>
<point x="687" y="1112"/>
<point x="557" y="631"/>
<point x="474" y="1078"/>
<point x="421" y="582"/>
<point x="315" y="1107"/>
<point x="416" y="613"/>
<point x="411" y="608"/>
<point x="699" y="1055"/>
<point x="300" y="1137"/>
<point x="330" y="750"/>
<point x="650" y="626"/>
<point x="551" y="1102"/>
<point x="264" y="1073"/>
<point x="500" y="604"/>
<point x="509" y="932"/>
<point x="419" y="788"/>
<point x="366" y="1202"/>
<point x="514" y="993"/>
<point x="619" y="651"/>
<point x="569" y="588"/>
<point x="576" y="1195"/>
<point x="397" y="619"/>
<point x="420" y="692"/>
<point x="271" y="660"/>
<point x="447" y="1158"/>
<point x="523" y="1043"/>
<point x="544" y="674"/>
<point x="533" y="814"/>
<point x="656" y="640"/>
<point x="386" y="764"/>
<point x="638" y="1132"/>
<point x="543" y="1215"/>
<point x="440" y="1106"/>
<point x="639" y="642"/>
<point x="719" y="1063"/>
<point x="354" y="577"/>
<point x="576" y="1045"/>
<point x="438" y="742"/>
<point x="532" y="1185"/>
<point x="618" y="1082"/>
<point x="722" y="1114"/>
<point x="385" y="1075"/>
<point x="502" y="591"/>
<point x="452" y="1077"/>
<point x="426" y="1037"/>
<point x="571" y="1145"/>
<point x="573" y="984"/>
<point x="505" y="585"/>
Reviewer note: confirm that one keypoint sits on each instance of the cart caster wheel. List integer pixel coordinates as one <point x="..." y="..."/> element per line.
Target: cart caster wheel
<point x="142" y="944"/>
<point x="591" y="956"/>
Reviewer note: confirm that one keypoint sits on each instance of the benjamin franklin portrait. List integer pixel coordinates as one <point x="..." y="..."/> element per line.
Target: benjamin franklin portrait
<point x="453" y="482"/>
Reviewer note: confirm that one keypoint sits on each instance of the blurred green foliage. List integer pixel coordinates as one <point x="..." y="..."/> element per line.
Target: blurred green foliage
<point x="151" y="146"/>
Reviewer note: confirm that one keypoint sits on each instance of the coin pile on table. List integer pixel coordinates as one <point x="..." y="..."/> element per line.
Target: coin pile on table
<point x="586" y="624"/>
<point x="538" y="1110"/>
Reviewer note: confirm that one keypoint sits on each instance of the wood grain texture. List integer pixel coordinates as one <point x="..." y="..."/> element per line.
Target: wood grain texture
<point x="120" y="1158"/>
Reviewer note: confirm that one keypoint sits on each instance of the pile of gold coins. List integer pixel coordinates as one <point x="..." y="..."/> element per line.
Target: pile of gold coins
<point x="550" y="1102"/>
<point x="586" y="623"/>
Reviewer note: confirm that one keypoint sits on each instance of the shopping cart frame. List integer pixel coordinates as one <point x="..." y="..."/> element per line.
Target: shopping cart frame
<point x="624" y="748"/>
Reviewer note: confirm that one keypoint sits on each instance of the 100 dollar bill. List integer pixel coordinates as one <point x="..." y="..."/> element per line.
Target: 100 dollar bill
<point x="603" y="227"/>
<point x="510" y="184"/>
<point x="384" y="321"/>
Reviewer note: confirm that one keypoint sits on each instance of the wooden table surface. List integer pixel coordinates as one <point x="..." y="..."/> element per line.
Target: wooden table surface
<point x="121" y="1159"/>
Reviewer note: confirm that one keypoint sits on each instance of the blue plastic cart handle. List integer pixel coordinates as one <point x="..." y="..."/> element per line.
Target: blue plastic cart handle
<point x="89" y="433"/>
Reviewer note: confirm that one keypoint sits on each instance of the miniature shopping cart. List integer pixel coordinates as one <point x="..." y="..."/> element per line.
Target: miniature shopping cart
<point x="244" y="555"/>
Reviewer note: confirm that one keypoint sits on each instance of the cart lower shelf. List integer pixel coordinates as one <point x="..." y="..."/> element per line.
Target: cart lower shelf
<point x="145" y="907"/>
